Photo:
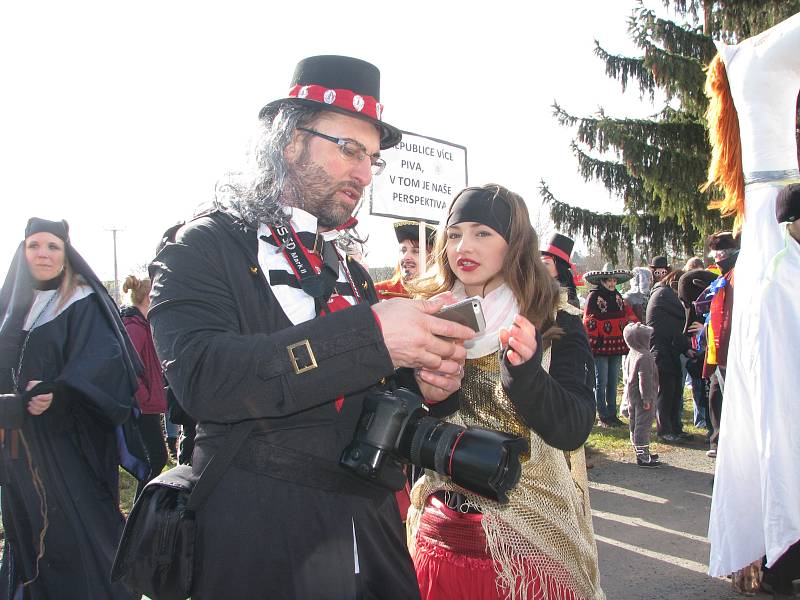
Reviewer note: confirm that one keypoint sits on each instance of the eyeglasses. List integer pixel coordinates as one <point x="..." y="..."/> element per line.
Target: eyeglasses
<point x="352" y="150"/>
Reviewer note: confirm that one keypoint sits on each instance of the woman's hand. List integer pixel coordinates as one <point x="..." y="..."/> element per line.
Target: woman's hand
<point x="38" y="404"/>
<point x="519" y="341"/>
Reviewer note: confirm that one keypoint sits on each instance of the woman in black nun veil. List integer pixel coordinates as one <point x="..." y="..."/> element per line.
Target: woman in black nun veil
<point x="68" y="373"/>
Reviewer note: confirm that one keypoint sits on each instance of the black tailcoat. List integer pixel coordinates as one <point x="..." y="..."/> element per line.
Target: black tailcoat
<point x="275" y="526"/>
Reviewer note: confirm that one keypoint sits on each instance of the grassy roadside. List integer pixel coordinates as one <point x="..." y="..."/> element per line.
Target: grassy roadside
<point x="127" y="491"/>
<point x="615" y="442"/>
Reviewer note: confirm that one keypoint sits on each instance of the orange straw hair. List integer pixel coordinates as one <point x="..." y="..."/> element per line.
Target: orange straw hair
<point x="725" y="170"/>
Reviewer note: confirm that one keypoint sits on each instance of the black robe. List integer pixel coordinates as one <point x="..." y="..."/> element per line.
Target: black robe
<point x="73" y="448"/>
<point x="280" y="523"/>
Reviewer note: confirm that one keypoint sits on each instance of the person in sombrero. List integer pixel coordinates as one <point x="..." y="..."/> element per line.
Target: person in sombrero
<point x="605" y="316"/>
<point x="408" y="266"/>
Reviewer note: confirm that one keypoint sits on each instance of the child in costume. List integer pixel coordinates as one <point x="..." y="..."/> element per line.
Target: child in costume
<point x="640" y="390"/>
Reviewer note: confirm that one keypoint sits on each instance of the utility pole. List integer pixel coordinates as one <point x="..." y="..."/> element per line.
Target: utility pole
<point x="116" y="293"/>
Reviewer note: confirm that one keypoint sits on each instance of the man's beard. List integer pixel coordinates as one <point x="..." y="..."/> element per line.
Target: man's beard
<point x="408" y="271"/>
<point x="310" y="188"/>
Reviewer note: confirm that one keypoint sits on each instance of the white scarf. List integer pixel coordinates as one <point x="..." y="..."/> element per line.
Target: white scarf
<point x="499" y="309"/>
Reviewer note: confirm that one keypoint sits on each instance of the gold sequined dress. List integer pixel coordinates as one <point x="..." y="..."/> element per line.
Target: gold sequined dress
<point x="545" y="530"/>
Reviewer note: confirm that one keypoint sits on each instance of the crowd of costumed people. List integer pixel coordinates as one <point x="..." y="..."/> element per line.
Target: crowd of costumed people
<point x="345" y="439"/>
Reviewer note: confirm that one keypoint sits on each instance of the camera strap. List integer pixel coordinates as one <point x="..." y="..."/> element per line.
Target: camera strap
<point x="316" y="273"/>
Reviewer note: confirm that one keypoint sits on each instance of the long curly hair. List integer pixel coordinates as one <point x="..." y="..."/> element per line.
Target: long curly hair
<point x="725" y="170"/>
<point x="256" y="195"/>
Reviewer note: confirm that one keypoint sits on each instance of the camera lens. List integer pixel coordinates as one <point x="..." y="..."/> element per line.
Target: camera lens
<point x="395" y="425"/>
<point x="481" y="460"/>
<point x="488" y="462"/>
<point x="432" y="444"/>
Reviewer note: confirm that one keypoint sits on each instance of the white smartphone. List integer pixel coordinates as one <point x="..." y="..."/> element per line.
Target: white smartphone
<point x="467" y="312"/>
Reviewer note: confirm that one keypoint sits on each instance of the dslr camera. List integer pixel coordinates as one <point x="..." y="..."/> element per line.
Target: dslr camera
<point x="395" y="427"/>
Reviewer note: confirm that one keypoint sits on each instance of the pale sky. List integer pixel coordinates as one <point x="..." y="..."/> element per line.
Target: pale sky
<point x="125" y="114"/>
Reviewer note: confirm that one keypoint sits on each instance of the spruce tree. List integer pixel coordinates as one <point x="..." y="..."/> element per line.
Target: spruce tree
<point x="657" y="165"/>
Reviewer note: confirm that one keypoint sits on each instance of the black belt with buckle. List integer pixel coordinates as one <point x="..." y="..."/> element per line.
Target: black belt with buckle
<point x="286" y="464"/>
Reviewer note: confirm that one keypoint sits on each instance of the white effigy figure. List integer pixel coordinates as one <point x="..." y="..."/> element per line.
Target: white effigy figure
<point x="755" y="510"/>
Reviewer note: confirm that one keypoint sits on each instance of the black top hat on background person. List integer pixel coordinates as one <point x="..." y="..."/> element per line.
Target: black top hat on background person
<point x="659" y="262"/>
<point x="560" y="248"/>
<point x="409" y="230"/>
<point x="787" y="204"/>
<point x="349" y="86"/>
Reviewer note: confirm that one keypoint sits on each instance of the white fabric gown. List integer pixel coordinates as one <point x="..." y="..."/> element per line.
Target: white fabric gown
<point x="755" y="510"/>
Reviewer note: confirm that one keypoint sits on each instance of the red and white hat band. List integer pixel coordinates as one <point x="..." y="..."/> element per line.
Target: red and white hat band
<point x="340" y="98"/>
<point x="555" y="250"/>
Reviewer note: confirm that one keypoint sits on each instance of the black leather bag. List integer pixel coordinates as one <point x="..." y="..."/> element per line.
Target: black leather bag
<point x="156" y="554"/>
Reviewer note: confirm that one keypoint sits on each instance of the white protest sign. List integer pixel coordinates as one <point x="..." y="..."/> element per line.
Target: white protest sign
<point x="422" y="176"/>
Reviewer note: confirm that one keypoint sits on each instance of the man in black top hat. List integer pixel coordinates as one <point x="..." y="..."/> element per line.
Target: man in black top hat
<point x="259" y="320"/>
<point x="556" y="256"/>
<point x="659" y="267"/>
<point x="408" y="267"/>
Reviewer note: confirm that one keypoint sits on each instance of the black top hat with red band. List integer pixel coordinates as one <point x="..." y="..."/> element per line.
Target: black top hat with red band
<point x="341" y="84"/>
<point x="560" y="247"/>
<point x="409" y="230"/>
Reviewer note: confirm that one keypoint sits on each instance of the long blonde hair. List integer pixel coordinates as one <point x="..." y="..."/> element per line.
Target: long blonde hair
<point x="68" y="283"/>
<point x="725" y="170"/>
<point x="536" y="293"/>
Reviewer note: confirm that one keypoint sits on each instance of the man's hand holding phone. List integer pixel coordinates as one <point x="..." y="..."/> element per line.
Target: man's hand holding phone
<point x="437" y="385"/>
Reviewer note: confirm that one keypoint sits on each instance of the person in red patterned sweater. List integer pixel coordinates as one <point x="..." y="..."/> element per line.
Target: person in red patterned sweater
<point x="605" y="316"/>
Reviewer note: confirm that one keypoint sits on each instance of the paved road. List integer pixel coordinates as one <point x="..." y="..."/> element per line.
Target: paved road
<point x="651" y="527"/>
